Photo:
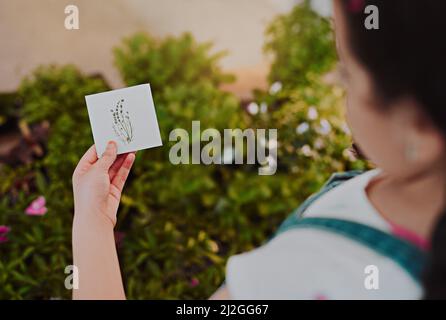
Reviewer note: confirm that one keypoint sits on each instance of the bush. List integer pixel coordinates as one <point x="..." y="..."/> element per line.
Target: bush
<point x="311" y="51"/>
<point x="39" y="248"/>
<point x="168" y="63"/>
<point x="180" y="223"/>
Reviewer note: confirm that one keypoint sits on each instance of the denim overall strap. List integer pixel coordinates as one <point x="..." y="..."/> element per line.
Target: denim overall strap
<point x="406" y="255"/>
<point x="335" y="180"/>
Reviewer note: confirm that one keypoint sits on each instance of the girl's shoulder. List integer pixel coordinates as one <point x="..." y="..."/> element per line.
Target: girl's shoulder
<point x="311" y="263"/>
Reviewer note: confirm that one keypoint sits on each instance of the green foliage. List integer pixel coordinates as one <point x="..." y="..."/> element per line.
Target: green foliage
<point x="181" y="223"/>
<point x="57" y="94"/>
<point x="33" y="261"/>
<point x="301" y="44"/>
<point x="169" y="62"/>
<point x="50" y="93"/>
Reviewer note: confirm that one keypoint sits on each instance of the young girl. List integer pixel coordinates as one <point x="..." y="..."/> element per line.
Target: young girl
<point x="363" y="236"/>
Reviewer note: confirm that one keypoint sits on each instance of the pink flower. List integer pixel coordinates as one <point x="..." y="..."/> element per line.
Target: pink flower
<point x="4" y="230"/>
<point x="37" y="207"/>
<point x="194" y="282"/>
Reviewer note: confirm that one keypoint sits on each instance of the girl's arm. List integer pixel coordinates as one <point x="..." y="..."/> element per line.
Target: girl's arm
<point x="94" y="254"/>
<point x="97" y="187"/>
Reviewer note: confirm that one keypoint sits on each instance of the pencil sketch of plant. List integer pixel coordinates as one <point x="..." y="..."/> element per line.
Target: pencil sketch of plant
<point x="122" y="125"/>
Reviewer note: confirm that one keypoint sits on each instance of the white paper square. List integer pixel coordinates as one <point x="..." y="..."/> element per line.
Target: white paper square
<point x="126" y="116"/>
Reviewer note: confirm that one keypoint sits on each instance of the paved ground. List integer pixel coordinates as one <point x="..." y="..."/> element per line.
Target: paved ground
<point x="32" y="33"/>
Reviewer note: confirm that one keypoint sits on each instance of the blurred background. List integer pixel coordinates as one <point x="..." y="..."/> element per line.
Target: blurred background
<point x="33" y="33"/>
<point x="230" y="64"/>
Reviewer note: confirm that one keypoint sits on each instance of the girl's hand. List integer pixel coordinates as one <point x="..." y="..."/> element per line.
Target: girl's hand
<point x="98" y="183"/>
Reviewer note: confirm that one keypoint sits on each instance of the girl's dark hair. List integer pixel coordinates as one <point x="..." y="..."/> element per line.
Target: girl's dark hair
<point x="406" y="56"/>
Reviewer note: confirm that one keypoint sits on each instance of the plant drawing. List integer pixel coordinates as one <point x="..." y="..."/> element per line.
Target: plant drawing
<point x="122" y="125"/>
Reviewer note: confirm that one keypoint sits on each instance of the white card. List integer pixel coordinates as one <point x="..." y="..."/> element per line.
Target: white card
<point x="126" y="116"/>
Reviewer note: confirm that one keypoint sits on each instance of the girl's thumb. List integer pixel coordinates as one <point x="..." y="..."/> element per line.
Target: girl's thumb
<point x="108" y="157"/>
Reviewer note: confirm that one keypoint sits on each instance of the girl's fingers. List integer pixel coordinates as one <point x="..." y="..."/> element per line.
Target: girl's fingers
<point x="123" y="172"/>
<point x="108" y="157"/>
<point x="116" y="165"/>
<point x="89" y="157"/>
<point x="87" y="160"/>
